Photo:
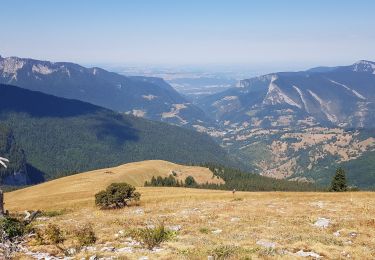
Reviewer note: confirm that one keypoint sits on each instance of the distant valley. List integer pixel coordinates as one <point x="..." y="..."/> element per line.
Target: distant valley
<point x="287" y="125"/>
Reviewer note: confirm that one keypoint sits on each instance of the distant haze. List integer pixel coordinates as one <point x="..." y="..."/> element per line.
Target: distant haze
<point x="293" y="34"/>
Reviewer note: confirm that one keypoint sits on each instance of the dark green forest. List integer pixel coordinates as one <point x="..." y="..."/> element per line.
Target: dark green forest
<point x="10" y="150"/>
<point x="60" y="136"/>
<point x="235" y="179"/>
<point x="244" y="181"/>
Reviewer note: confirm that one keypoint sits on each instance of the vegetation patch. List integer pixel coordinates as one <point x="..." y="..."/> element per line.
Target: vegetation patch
<point x="152" y="237"/>
<point x="225" y="251"/>
<point x="53" y="213"/>
<point x="245" y="181"/>
<point x="339" y="183"/>
<point x="171" y="181"/>
<point x="11" y="228"/>
<point x="117" y="195"/>
<point x="49" y="235"/>
<point x="84" y="235"/>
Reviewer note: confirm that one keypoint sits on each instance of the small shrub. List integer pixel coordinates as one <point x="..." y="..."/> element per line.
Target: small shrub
<point x="38" y="238"/>
<point x="231" y="252"/>
<point x="85" y="235"/>
<point x="12" y="227"/>
<point x="152" y="237"/>
<point x="204" y="230"/>
<point x="49" y="235"/>
<point x="53" y="234"/>
<point x="224" y="251"/>
<point x="117" y="195"/>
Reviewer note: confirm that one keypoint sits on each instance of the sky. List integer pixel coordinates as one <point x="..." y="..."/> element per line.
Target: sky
<point x="291" y="33"/>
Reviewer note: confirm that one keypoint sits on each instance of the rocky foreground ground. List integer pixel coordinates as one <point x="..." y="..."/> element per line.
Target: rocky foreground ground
<point x="246" y="225"/>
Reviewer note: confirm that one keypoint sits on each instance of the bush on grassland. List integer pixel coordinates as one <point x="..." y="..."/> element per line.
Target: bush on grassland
<point x="11" y="227"/>
<point x="49" y="235"/>
<point x="116" y="195"/>
<point x="153" y="236"/>
<point x="54" y="235"/>
<point x="85" y="235"/>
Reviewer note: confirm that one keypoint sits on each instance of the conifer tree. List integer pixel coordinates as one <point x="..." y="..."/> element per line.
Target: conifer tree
<point x="339" y="183"/>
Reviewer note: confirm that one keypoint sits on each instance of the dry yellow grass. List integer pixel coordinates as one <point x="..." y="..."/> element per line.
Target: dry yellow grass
<point x="81" y="188"/>
<point x="284" y="218"/>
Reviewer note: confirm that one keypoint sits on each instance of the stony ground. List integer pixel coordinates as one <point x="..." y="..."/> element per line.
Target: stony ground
<point x="248" y="225"/>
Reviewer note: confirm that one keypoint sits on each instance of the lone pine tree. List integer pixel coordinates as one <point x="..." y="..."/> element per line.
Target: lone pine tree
<point x="339" y="181"/>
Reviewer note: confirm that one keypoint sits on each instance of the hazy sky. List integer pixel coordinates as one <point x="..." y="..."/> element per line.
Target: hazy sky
<point x="294" y="33"/>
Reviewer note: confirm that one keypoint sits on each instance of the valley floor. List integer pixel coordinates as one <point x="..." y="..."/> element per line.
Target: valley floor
<point x="247" y="225"/>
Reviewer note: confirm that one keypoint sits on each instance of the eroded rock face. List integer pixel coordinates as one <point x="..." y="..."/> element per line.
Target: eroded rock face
<point x="298" y="121"/>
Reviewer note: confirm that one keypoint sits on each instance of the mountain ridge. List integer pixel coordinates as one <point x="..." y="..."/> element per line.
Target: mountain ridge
<point x="147" y="97"/>
<point x="348" y="93"/>
<point x="305" y="123"/>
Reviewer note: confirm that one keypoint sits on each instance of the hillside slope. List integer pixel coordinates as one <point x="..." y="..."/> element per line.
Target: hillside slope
<point x="82" y="187"/>
<point x="146" y="97"/>
<point x="301" y="125"/>
<point x="61" y="136"/>
<point x="210" y="222"/>
<point x="342" y="96"/>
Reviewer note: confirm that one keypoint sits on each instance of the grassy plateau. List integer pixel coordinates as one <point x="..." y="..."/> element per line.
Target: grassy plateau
<point x="244" y="225"/>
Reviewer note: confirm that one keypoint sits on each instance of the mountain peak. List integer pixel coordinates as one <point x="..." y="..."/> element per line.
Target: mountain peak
<point x="364" y="66"/>
<point x="364" y="62"/>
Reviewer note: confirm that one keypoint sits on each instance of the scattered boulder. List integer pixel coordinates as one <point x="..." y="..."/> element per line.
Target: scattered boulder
<point x="266" y="243"/>
<point x="88" y="249"/>
<point x="107" y="249"/>
<point x="174" y="228"/>
<point x="139" y="211"/>
<point x="322" y="222"/>
<point x="71" y="251"/>
<point x="308" y="254"/>
<point x="157" y="249"/>
<point x="318" y="204"/>
<point x="217" y="231"/>
<point x="93" y="257"/>
<point x="125" y="250"/>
